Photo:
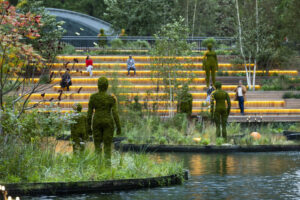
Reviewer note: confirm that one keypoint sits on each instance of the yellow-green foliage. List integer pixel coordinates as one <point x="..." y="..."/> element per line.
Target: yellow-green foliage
<point x="105" y="107"/>
<point x="136" y="106"/>
<point x="185" y="101"/>
<point x="79" y="128"/>
<point x="102" y="35"/>
<point x="210" y="61"/>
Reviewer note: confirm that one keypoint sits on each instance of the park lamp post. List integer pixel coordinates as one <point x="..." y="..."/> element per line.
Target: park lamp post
<point x="4" y="194"/>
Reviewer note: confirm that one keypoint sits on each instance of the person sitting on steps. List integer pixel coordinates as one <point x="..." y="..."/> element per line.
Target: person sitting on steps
<point x="130" y="65"/>
<point x="89" y="65"/>
<point x="66" y="80"/>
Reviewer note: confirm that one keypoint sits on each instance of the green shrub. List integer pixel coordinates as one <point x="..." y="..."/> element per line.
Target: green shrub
<point x="68" y="49"/>
<point x="209" y="41"/>
<point x="142" y="44"/>
<point x="45" y="79"/>
<point x="205" y="141"/>
<point x="219" y="141"/>
<point x="117" y="43"/>
<point x="288" y="95"/>
<point x="222" y="73"/>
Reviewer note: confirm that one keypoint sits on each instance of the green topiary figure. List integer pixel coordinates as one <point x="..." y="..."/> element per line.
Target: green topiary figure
<point x="136" y="106"/>
<point x="104" y="112"/>
<point x="102" y="34"/>
<point x="220" y="111"/>
<point x="185" y="101"/>
<point x="78" y="129"/>
<point x="210" y="64"/>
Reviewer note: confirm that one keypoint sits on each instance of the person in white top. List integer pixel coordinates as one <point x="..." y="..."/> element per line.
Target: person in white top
<point x="240" y="95"/>
<point x="89" y="65"/>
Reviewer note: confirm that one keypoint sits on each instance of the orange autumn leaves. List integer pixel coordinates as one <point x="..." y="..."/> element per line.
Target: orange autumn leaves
<point x="15" y="29"/>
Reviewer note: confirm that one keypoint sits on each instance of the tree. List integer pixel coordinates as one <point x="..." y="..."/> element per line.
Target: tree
<point x="138" y="17"/>
<point x="50" y="31"/>
<point x="261" y="34"/>
<point x="171" y="41"/>
<point x="19" y="62"/>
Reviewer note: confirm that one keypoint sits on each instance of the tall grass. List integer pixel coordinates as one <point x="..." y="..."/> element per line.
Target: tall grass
<point x="180" y="131"/>
<point x="31" y="164"/>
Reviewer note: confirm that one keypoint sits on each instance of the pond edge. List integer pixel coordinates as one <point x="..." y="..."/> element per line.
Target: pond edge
<point x="63" y="188"/>
<point x="205" y="149"/>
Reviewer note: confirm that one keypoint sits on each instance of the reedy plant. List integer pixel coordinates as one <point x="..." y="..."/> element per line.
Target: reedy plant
<point x="33" y="165"/>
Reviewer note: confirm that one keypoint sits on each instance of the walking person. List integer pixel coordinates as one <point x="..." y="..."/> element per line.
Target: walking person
<point x="89" y="65"/>
<point x="209" y="92"/>
<point x="240" y="95"/>
<point x="131" y="65"/>
<point x="66" y="80"/>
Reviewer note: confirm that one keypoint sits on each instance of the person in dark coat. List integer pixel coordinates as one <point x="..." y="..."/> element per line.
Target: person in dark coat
<point x="66" y="80"/>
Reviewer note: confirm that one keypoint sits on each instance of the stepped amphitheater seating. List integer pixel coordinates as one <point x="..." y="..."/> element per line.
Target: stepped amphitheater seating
<point x="259" y="103"/>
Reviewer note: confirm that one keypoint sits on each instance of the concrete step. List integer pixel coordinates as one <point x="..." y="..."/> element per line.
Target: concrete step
<point x="139" y="66"/>
<point x="292" y="103"/>
<point x="129" y="79"/>
<point x="124" y="58"/>
<point x="147" y="73"/>
<point x="197" y="104"/>
<point x="264" y="118"/>
<point x="255" y="111"/>
<point x="141" y="88"/>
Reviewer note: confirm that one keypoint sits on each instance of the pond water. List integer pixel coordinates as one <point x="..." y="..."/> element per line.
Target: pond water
<point x="220" y="176"/>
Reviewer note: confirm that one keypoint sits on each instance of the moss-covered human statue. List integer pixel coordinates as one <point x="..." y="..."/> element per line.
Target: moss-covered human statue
<point x="219" y="111"/>
<point x="103" y="110"/>
<point x="185" y="101"/>
<point x="136" y="106"/>
<point x="210" y="64"/>
<point x="102" y="35"/>
<point x="79" y="128"/>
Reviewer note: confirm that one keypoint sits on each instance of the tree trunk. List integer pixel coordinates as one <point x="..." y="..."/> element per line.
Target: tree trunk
<point x="194" y="18"/>
<point x="257" y="47"/>
<point x="240" y="40"/>
<point x="171" y="94"/>
<point x="187" y="13"/>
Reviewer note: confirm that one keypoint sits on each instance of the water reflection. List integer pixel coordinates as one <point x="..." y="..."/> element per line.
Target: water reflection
<point x="221" y="176"/>
<point x="237" y="163"/>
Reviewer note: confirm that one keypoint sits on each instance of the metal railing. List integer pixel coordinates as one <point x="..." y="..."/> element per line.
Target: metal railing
<point x="91" y="42"/>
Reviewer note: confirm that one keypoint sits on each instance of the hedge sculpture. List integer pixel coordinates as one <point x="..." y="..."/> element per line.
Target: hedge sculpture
<point x="185" y="101"/>
<point x="219" y="110"/>
<point x="79" y="129"/>
<point x="103" y="110"/>
<point x="210" y="65"/>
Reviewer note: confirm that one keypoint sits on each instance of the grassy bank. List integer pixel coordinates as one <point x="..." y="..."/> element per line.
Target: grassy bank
<point x="180" y="131"/>
<point x="29" y="164"/>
